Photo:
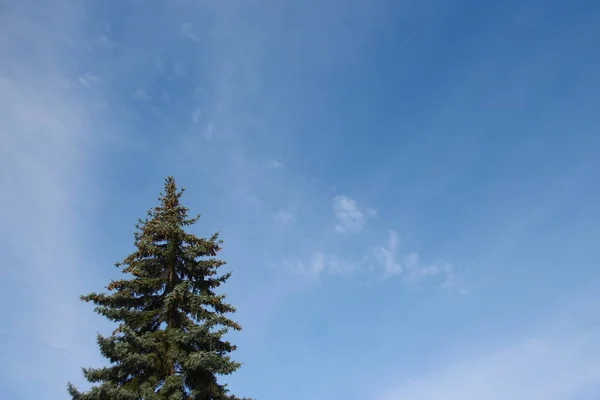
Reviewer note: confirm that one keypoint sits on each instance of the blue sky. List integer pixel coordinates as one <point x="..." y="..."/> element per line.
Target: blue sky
<point x="407" y="191"/>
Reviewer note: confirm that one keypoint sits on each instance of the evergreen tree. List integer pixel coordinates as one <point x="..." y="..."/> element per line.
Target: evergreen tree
<point x="169" y="340"/>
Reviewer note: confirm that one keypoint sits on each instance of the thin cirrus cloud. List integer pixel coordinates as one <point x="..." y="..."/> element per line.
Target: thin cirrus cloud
<point x="46" y="158"/>
<point x="556" y="360"/>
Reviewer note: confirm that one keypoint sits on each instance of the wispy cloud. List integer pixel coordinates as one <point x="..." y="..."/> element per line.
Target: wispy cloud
<point x="350" y="219"/>
<point x="438" y="272"/>
<point x="187" y="30"/>
<point x="274" y="164"/>
<point x="197" y="115"/>
<point x="106" y="42"/>
<point x="389" y="260"/>
<point x="210" y="132"/>
<point x="89" y="80"/>
<point x="387" y="255"/>
<point x="411" y="268"/>
<point x="46" y="158"/>
<point x="321" y="263"/>
<point x="550" y="365"/>
<point x="371" y="212"/>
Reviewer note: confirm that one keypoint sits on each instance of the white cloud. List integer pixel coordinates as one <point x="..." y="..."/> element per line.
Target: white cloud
<point x="437" y="272"/>
<point x="411" y="268"/>
<point x="45" y="161"/>
<point x="550" y="367"/>
<point x="320" y="263"/>
<point x="350" y="219"/>
<point x="386" y="255"/>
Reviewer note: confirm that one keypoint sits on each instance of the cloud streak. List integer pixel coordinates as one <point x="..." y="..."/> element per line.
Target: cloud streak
<point x="46" y="160"/>
<point x="549" y="365"/>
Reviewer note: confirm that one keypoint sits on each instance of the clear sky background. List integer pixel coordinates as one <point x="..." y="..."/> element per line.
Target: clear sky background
<point x="408" y="191"/>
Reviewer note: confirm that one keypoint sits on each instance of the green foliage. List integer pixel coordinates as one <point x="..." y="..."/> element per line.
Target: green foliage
<point x="169" y="341"/>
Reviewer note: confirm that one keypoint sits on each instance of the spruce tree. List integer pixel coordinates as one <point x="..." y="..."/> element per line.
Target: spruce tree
<point x="169" y="341"/>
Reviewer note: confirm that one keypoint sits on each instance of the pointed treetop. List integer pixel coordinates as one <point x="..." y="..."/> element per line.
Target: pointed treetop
<point x="170" y="186"/>
<point x="170" y="197"/>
